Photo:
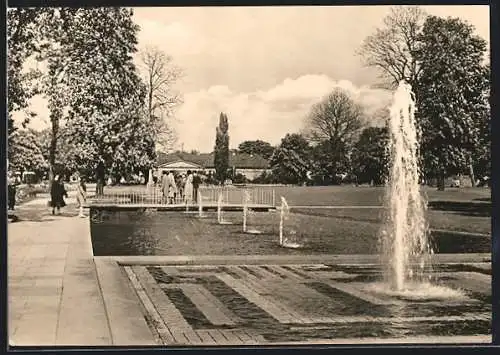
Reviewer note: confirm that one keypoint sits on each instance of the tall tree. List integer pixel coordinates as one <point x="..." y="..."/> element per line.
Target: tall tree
<point x="159" y="75"/>
<point x="221" y="150"/>
<point x="334" y="124"/>
<point x="392" y="48"/>
<point x="453" y="108"/>
<point x="259" y="147"/>
<point x="481" y="156"/>
<point x="291" y="161"/>
<point x="370" y="158"/>
<point x="103" y="96"/>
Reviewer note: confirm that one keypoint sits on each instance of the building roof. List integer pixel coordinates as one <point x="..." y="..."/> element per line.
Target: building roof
<point x="206" y="160"/>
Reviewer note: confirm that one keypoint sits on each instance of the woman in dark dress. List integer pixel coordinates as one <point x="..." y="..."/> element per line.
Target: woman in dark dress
<point x="12" y="190"/>
<point x="57" y="194"/>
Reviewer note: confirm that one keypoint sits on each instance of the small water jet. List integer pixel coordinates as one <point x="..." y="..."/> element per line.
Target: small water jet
<point x="220" y="218"/>
<point x="200" y="206"/>
<point x="404" y="239"/>
<point x="284" y="215"/>
<point x="247" y="197"/>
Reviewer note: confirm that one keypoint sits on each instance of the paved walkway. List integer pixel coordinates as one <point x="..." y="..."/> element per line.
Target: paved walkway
<point x="54" y="297"/>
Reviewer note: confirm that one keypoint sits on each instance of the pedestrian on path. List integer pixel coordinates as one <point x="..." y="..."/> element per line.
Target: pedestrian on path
<point x="81" y="196"/>
<point x="100" y="176"/>
<point x="57" y="194"/>
<point x="12" y="183"/>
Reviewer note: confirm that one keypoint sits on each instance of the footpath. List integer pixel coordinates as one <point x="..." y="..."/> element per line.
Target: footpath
<point x="53" y="291"/>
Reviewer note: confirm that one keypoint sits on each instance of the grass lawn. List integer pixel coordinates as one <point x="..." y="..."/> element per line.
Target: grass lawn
<point x="465" y="209"/>
<point x="344" y="195"/>
<point x="444" y="220"/>
<point x="347" y="195"/>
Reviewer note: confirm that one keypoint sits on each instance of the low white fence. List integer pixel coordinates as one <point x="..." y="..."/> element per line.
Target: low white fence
<point x="236" y="195"/>
<point x="210" y="195"/>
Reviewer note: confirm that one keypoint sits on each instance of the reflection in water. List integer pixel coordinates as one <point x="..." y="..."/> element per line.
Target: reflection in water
<point x="143" y="232"/>
<point x="135" y="239"/>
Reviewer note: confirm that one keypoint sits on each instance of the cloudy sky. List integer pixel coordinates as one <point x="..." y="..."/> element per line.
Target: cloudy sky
<point x="266" y="66"/>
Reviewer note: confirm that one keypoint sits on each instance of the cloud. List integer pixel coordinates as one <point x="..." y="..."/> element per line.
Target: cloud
<point x="263" y="114"/>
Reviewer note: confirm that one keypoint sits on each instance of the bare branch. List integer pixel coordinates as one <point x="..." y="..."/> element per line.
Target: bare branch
<point x="160" y="76"/>
<point x="392" y="48"/>
<point x="337" y="119"/>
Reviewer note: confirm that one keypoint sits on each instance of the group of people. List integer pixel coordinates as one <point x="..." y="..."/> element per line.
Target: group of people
<point x="183" y="187"/>
<point x="58" y="193"/>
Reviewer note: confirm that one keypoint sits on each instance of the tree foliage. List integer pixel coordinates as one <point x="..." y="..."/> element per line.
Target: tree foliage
<point x="258" y="147"/>
<point x="392" y="48"/>
<point x="23" y="37"/>
<point x="221" y="150"/>
<point x="330" y="162"/>
<point x="25" y="151"/>
<point x="290" y="161"/>
<point x="453" y="109"/>
<point x="370" y="156"/>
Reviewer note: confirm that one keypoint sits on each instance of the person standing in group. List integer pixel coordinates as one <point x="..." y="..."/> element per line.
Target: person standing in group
<point x="57" y="194"/>
<point x="81" y="196"/>
<point x="180" y="186"/>
<point x="196" y="185"/>
<point x="164" y="186"/>
<point x="188" y="188"/>
<point x="100" y="177"/>
<point x="172" y="188"/>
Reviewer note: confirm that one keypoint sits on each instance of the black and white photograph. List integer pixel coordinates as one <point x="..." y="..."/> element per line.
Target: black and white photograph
<point x="248" y="176"/>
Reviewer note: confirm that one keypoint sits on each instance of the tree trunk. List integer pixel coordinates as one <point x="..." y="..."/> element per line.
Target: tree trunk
<point x="54" y="119"/>
<point x="471" y="173"/>
<point x="441" y="179"/>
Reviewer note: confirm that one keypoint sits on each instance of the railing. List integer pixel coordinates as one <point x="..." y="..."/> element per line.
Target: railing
<point x="210" y="195"/>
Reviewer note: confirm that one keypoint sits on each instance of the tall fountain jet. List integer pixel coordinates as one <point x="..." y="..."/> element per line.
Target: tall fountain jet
<point x="404" y="238"/>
